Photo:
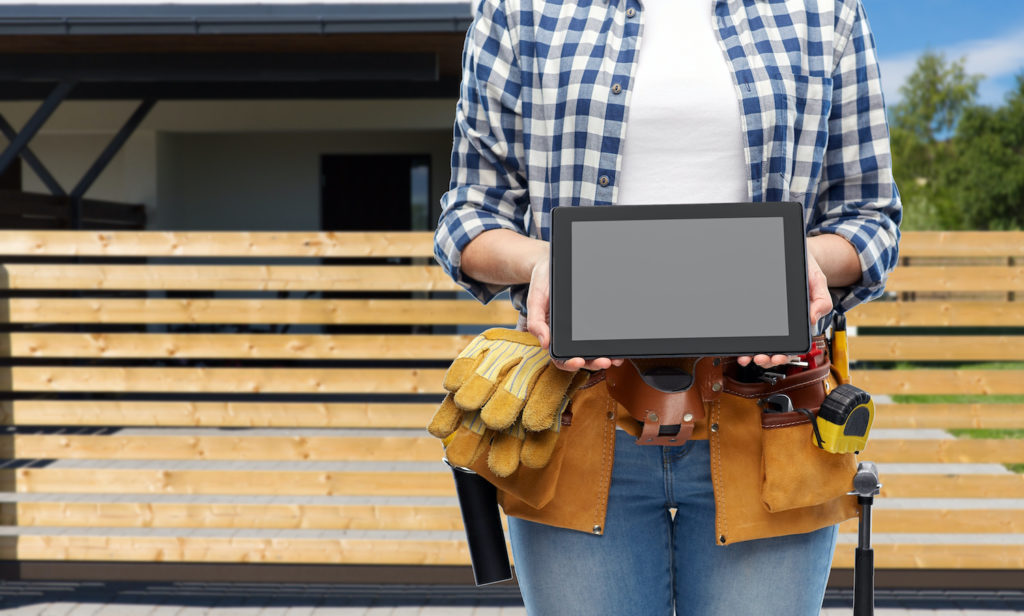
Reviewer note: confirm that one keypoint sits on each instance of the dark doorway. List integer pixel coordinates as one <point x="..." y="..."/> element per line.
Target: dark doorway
<point x="10" y="179"/>
<point x="375" y="192"/>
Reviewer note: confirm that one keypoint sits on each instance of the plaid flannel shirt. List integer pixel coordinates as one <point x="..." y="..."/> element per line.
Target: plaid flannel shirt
<point x="540" y="123"/>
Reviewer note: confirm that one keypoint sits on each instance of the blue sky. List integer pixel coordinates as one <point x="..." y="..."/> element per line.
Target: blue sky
<point x="989" y="33"/>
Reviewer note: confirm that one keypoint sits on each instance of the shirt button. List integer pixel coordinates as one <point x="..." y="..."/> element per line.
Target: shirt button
<point x="603" y="180"/>
<point x="631" y="13"/>
<point x="616" y="89"/>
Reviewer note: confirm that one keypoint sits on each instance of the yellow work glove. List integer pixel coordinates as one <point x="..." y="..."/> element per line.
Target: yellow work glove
<point x="505" y="393"/>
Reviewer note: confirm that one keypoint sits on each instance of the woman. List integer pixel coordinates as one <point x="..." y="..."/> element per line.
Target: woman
<point x="614" y="102"/>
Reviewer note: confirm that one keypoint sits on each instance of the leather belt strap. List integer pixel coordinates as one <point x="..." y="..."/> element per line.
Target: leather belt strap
<point x="668" y="418"/>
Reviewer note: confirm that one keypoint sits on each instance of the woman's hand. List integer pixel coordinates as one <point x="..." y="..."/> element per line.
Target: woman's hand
<point x="538" y="319"/>
<point x="821" y="304"/>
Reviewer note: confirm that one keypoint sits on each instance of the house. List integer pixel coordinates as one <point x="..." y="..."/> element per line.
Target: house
<point x="227" y="115"/>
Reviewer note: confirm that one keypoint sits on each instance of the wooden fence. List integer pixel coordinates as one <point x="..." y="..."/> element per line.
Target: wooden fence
<point x="260" y="398"/>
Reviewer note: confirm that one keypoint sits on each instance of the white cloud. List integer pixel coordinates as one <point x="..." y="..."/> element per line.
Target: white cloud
<point x="995" y="58"/>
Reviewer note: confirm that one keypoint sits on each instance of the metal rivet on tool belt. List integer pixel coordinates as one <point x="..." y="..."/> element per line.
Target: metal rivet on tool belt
<point x="611" y="414"/>
<point x="597" y="529"/>
<point x="716" y="387"/>
<point x="688" y="417"/>
<point x="652" y="417"/>
<point x="721" y="539"/>
<point x="714" y="427"/>
<point x="716" y="361"/>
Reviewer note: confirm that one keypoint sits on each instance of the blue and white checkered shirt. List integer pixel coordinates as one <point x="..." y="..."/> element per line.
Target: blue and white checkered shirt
<point x="539" y="124"/>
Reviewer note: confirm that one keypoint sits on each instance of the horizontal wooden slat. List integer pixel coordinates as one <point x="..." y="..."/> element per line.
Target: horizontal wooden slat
<point x="411" y="449"/>
<point x="387" y="244"/>
<point x="204" y="515"/>
<point x="931" y="314"/>
<point x="227" y="277"/>
<point x="232" y="311"/>
<point x="279" y="483"/>
<point x="421" y="381"/>
<point x="381" y="415"/>
<point x="937" y="348"/>
<point x="927" y="381"/>
<point x="936" y="556"/>
<point x="285" y="483"/>
<point x="956" y="279"/>
<point x="962" y="244"/>
<point x="214" y="414"/>
<point x="244" y="447"/>
<point x="237" y="346"/>
<point x="228" y="380"/>
<point x="412" y="517"/>
<point x="946" y="451"/>
<point x="392" y="278"/>
<point x="945" y="486"/>
<point x="235" y="549"/>
<point x="949" y="416"/>
<point x="418" y="552"/>
<point x="220" y="244"/>
<point x="942" y="521"/>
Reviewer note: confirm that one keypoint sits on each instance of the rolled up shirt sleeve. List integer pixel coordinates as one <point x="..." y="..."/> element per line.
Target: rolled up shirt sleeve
<point x="857" y="197"/>
<point x="488" y="186"/>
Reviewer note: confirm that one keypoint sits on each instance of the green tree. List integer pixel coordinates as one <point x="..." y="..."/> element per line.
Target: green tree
<point x="933" y="99"/>
<point x="986" y="178"/>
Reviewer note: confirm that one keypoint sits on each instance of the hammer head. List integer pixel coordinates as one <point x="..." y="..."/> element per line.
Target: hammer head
<point x="865" y="482"/>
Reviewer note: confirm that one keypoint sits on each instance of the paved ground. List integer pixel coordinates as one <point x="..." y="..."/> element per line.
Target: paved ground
<point x="131" y="599"/>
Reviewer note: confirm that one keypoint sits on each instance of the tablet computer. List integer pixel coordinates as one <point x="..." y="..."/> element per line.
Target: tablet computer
<point x="679" y="280"/>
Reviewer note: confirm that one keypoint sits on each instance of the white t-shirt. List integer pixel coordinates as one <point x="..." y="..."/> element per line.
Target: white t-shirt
<point x="684" y="137"/>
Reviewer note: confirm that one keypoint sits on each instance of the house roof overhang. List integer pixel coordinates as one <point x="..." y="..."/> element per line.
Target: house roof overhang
<point x="340" y="49"/>
<point x="221" y="18"/>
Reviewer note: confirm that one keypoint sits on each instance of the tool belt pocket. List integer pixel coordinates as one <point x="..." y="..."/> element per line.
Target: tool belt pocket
<point x="795" y="472"/>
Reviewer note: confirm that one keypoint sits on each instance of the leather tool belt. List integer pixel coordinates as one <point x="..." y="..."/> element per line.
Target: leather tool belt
<point x="656" y="394"/>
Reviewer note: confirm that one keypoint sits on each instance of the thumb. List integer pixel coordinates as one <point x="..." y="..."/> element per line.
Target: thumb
<point x="537" y="307"/>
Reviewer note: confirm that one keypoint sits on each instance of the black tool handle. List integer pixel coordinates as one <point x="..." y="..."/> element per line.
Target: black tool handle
<point x="478" y="500"/>
<point x="864" y="582"/>
<point x="864" y="563"/>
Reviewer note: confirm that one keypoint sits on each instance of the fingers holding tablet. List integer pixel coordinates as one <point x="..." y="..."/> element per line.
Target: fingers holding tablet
<point x="817" y="284"/>
<point x="538" y="320"/>
<point x="537" y="304"/>
<point x="820" y="305"/>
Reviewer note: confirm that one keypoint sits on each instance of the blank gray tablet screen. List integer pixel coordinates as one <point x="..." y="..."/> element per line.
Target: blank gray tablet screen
<point x="695" y="278"/>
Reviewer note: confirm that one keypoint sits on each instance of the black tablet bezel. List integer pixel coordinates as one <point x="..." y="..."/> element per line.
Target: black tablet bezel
<point x="797" y="342"/>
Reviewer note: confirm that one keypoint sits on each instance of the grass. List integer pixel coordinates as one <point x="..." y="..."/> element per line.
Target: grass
<point x="956" y="399"/>
<point x="986" y="433"/>
<point x="981" y="365"/>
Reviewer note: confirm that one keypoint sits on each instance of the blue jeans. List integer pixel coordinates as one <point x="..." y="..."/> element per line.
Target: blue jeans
<point x="649" y="563"/>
